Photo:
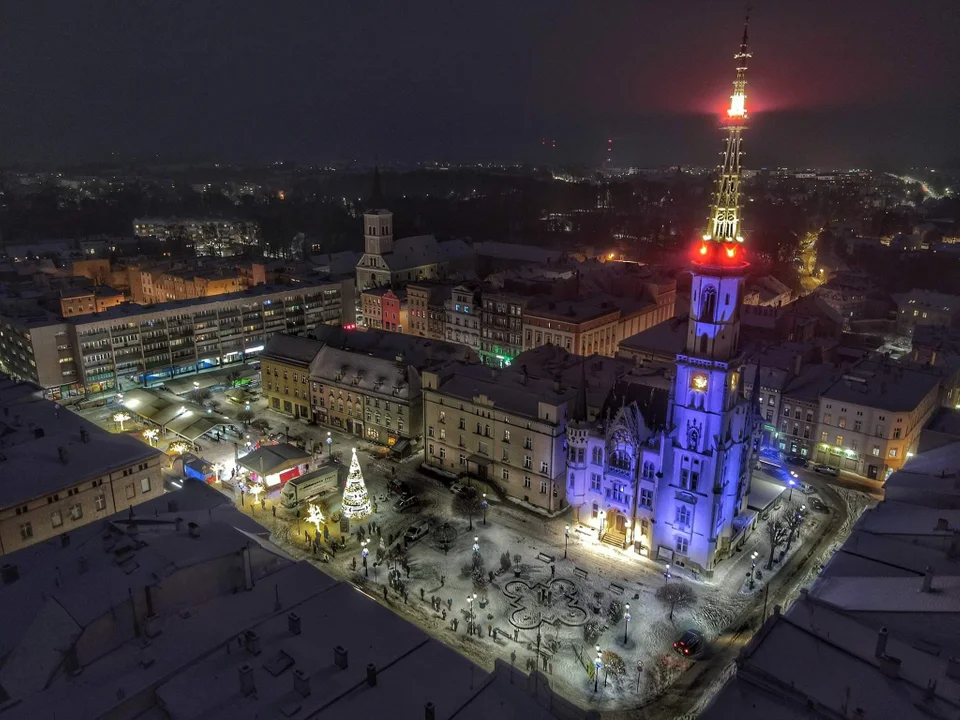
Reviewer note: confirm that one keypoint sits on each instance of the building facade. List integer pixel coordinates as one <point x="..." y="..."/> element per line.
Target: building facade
<point x="427" y="309"/>
<point x="463" y="312"/>
<point x="82" y="301"/>
<point x="582" y="327"/>
<point x="501" y="327"/>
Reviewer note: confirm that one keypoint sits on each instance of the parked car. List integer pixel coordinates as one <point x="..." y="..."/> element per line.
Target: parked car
<point x="795" y="460"/>
<point x="416" y="531"/>
<point x="826" y="470"/>
<point x="406" y="503"/>
<point x="690" y="643"/>
<point x="457" y="488"/>
<point x="399" y="487"/>
<point x="817" y="505"/>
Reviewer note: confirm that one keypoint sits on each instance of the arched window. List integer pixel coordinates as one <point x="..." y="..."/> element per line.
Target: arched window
<point x="703" y="343"/>
<point x="708" y="304"/>
<point x="620" y="460"/>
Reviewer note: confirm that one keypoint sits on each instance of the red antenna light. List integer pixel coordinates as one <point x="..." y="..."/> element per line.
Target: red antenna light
<point x="703" y="249"/>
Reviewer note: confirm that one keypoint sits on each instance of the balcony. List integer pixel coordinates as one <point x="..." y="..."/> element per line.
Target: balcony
<point x="618" y="471"/>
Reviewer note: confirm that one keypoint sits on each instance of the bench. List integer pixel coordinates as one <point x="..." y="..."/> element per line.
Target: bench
<point x="580" y="573"/>
<point x="616" y="589"/>
<point x="544" y="558"/>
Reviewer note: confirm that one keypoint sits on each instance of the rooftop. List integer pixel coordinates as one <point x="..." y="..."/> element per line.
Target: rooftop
<point x="271" y="459"/>
<point x="928" y="299"/>
<point x="668" y="338"/>
<point x="574" y="310"/>
<point x="47" y="448"/>
<point x="292" y="349"/>
<point x="422" y="353"/>
<point x="883" y="385"/>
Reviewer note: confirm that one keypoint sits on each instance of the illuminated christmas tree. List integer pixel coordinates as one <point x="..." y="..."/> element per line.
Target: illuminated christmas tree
<point x="356" y="502"/>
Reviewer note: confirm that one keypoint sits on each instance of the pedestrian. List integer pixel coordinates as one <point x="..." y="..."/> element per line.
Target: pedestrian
<point x="516" y="634"/>
<point x="421" y="593"/>
<point x="384" y="592"/>
<point x="263" y="504"/>
<point x="443" y="615"/>
<point x="405" y="597"/>
<point x="456" y="622"/>
<point x="407" y="568"/>
<point x="495" y="631"/>
<point x="443" y="579"/>
<point x="489" y="630"/>
<point x="274" y="508"/>
<point x="553" y="571"/>
<point x="513" y="656"/>
<point x="450" y="603"/>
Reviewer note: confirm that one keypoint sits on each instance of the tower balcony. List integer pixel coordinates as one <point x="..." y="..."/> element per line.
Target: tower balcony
<point x="727" y="257"/>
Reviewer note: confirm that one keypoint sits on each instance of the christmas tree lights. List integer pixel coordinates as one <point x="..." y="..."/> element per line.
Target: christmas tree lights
<point x="356" y="502"/>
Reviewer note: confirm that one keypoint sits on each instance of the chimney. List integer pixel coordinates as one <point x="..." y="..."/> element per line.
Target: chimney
<point x="301" y="682"/>
<point x="881" y="643"/>
<point x="62" y="451"/>
<point x="247" y="568"/>
<point x="429" y="711"/>
<point x="890" y="666"/>
<point x="38" y="433"/>
<point x="927" y="580"/>
<point x="942" y="525"/>
<point x="953" y="668"/>
<point x="64" y="540"/>
<point x="340" y="657"/>
<point x="84" y="435"/>
<point x="252" y="641"/>
<point x="178" y="524"/>
<point x="293" y="623"/>
<point x="371" y="675"/>
<point x="83" y="564"/>
<point x="9" y="573"/>
<point x="247" y="686"/>
<point x="193" y="529"/>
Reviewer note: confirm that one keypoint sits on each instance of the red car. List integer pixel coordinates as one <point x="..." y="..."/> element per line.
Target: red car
<point x="689" y="644"/>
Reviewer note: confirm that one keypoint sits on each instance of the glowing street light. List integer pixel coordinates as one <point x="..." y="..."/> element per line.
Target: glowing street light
<point x="666" y="574"/>
<point x="363" y="554"/>
<point x="476" y="544"/>
<point x="483" y="504"/>
<point x="566" y="539"/>
<point x="626" y="621"/>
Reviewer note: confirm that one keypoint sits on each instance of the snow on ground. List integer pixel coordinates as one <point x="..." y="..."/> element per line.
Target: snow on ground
<point x="599" y="575"/>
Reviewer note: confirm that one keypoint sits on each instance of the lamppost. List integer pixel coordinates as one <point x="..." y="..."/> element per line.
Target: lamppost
<point x="329" y="443"/>
<point x="470" y="599"/>
<point x="791" y="482"/>
<point x="483" y="504"/>
<point x="597" y="664"/>
<point x="363" y="554"/>
<point x="626" y="621"/>
<point x="666" y="574"/>
<point x="753" y="567"/>
<point x="566" y="540"/>
<point x="476" y="544"/>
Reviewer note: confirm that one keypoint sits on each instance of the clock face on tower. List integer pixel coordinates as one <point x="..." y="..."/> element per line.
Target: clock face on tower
<point x="698" y="381"/>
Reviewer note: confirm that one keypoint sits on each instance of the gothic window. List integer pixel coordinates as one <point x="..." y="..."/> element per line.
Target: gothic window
<point x="683" y="516"/>
<point x="620" y="460"/>
<point x="708" y="304"/>
<point x="648" y="470"/>
<point x="703" y="344"/>
<point x="598" y="456"/>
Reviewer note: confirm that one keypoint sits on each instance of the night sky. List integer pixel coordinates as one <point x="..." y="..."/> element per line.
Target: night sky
<point x="833" y="82"/>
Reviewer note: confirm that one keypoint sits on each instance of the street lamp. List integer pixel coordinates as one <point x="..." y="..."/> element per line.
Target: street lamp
<point x="666" y="574"/>
<point x="626" y="621"/>
<point x="566" y="539"/>
<point x="470" y="599"/>
<point x="363" y="554"/>
<point x="483" y="504"/>
<point x="753" y="568"/>
<point x="597" y="664"/>
<point x="476" y="544"/>
<point x="791" y="482"/>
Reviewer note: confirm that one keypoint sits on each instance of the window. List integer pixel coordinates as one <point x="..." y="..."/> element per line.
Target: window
<point x="786" y="411"/>
<point x="823" y="436"/>
<point x="839" y="442"/>
<point x="857" y="425"/>
<point x="430" y="448"/>
<point x="506" y="455"/>
<point x="595" y="481"/>
<point x="528" y="443"/>
<point x="443" y="453"/>
<point x="598" y="456"/>
<point x="26" y="531"/>
<point x="683" y="515"/>
<point x="443" y="432"/>
<point x="145" y="485"/>
<point x="463" y="424"/>
<point x="527" y="462"/>
<point x="463" y="459"/>
<point x="647" y="470"/>
<point x="100" y="502"/>
<point x="826" y="418"/>
<point x="526" y="481"/>
<point x="506" y="476"/>
<point x="131" y="491"/>
<point x="646" y="497"/>
<point x="430" y="431"/>
<point x="442" y="417"/>
<point x="506" y="436"/>
<point x="479" y="428"/>
<point x="76" y="511"/>
<point x="544" y="467"/>
<point x="893" y="452"/>
<point x="896" y="433"/>
<point x="842" y="422"/>
<point x="56" y="519"/>
<point x="682" y="545"/>
<point x="876" y="451"/>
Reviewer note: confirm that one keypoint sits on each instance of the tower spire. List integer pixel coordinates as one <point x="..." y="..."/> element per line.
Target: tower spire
<point x="725" y="213"/>
<point x="377" y="200"/>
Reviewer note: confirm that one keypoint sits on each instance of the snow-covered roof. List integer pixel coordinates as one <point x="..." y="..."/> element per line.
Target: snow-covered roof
<point x="889" y="594"/>
<point x="271" y="459"/>
<point x="763" y="493"/>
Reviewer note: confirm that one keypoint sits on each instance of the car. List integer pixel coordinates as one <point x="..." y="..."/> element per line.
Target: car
<point x="795" y="460"/>
<point x="457" y="488"/>
<point x="406" y="503"/>
<point x="689" y="644"/>
<point x="817" y="505"/>
<point x="399" y="487"/>
<point x="415" y="532"/>
<point x="826" y="470"/>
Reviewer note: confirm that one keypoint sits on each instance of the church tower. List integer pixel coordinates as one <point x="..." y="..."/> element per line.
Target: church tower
<point x="705" y="460"/>
<point x="377" y="222"/>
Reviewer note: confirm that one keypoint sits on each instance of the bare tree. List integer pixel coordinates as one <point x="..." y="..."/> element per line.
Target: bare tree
<point x="613" y="665"/>
<point x="468" y="503"/>
<point x="676" y="596"/>
<point x="245" y="416"/>
<point x="777" y="530"/>
<point x="200" y="395"/>
<point x="794" y="519"/>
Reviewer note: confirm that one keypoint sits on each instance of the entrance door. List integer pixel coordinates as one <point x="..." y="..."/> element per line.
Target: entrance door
<point x="349" y="426"/>
<point x="482" y="471"/>
<point x="872" y="472"/>
<point x="621" y="524"/>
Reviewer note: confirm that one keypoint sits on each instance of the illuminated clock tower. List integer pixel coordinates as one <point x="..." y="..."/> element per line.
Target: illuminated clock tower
<point x="705" y="459"/>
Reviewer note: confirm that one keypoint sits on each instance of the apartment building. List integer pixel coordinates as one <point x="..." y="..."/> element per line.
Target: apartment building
<point x="582" y="327"/>
<point x="926" y="308"/>
<point x="86" y="301"/>
<point x="61" y="471"/>
<point x="207" y="236"/>
<point x="158" y="284"/>
<point x="38" y="347"/>
<point x="463" y="312"/>
<point x="427" y="309"/>
<point x="285" y="374"/>
<point x="385" y="309"/>
<point x="800" y="410"/>
<point x="506" y="426"/>
<point x="131" y="345"/>
<point x="870" y="417"/>
<point x="501" y="327"/>
<point x="371" y="307"/>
